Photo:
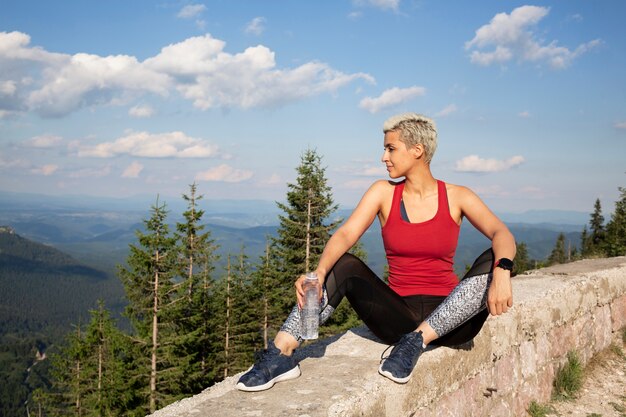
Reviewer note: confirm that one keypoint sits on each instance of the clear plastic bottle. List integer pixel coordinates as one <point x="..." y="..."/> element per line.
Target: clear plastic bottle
<point x="310" y="314"/>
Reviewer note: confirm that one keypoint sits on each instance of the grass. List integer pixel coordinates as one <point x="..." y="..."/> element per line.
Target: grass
<point x="536" y="409"/>
<point x="618" y="407"/>
<point x="618" y="351"/>
<point x="569" y="378"/>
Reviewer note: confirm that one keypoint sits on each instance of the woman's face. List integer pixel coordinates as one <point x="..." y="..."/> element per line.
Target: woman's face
<point x="397" y="158"/>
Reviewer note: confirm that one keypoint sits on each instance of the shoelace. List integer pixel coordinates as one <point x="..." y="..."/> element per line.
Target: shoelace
<point x="261" y="357"/>
<point x="405" y="348"/>
<point x="382" y="355"/>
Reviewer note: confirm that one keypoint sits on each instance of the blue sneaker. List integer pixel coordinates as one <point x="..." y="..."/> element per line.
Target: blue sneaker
<point x="271" y="367"/>
<point x="403" y="357"/>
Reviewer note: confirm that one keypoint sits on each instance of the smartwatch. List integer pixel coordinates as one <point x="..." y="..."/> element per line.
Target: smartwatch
<point x="504" y="263"/>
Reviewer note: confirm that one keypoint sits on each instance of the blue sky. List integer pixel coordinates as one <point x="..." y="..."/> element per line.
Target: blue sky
<point x="119" y="98"/>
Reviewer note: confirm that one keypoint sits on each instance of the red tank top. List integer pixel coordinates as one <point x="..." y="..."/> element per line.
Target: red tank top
<point x="421" y="255"/>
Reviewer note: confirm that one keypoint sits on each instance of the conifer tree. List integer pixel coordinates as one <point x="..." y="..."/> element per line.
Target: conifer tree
<point x="558" y="255"/>
<point x="305" y="225"/>
<point x="221" y="322"/>
<point x="68" y="381"/>
<point x="107" y="363"/>
<point x="596" y="224"/>
<point x="148" y="284"/>
<point x="90" y="373"/>
<point x="196" y="264"/>
<point x="245" y="333"/>
<point x="522" y="262"/>
<point x="615" y="243"/>
<point x="268" y="294"/>
<point x="237" y="318"/>
<point x="586" y="246"/>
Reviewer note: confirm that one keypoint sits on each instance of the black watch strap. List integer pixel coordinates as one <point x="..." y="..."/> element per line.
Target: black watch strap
<point x="504" y="263"/>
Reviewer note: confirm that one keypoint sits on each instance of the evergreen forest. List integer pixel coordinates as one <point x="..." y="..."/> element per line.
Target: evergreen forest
<point x="187" y="323"/>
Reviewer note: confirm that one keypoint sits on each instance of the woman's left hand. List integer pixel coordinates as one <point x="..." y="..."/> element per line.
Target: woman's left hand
<point x="500" y="294"/>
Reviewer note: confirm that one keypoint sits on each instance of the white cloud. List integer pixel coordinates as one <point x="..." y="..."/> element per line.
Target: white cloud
<point x="355" y="15"/>
<point x="45" y="170"/>
<point x="11" y="163"/>
<point x="620" y="125"/>
<point x="91" y="172"/>
<point x="198" y="68"/>
<point x="141" y="111"/>
<point x="448" y="110"/>
<point x="55" y="84"/>
<point x="133" y="170"/>
<point x="380" y="4"/>
<point x="391" y="97"/>
<point x="525" y="114"/>
<point x="256" y="26"/>
<point x="191" y="10"/>
<point x="473" y="163"/>
<point x="5" y="114"/>
<point x="149" y="145"/>
<point x="575" y="17"/>
<point x="224" y="173"/>
<point x="8" y="88"/>
<point x="511" y="36"/>
<point x="375" y="171"/>
<point x="274" y="179"/>
<point x="212" y="78"/>
<point x="44" y="141"/>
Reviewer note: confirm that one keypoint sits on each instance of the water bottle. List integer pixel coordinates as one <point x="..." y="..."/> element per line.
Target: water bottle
<point x="310" y="314"/>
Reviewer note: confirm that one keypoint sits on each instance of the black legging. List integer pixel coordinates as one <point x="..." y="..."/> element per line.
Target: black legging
<point x="389" y="315"/>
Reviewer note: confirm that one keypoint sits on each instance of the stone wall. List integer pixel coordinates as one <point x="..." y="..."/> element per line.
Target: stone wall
<point x="581" y="306"/>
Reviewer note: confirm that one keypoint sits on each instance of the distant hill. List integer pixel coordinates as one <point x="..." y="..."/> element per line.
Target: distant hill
<point x="44" y="289"/>
<point x="97" y="231"/>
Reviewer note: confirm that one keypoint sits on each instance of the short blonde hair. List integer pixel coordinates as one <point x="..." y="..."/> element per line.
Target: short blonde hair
<point x="414" y="129"/>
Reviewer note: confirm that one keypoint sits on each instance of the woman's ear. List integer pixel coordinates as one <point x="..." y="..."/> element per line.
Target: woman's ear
<point x="417" y="151"/>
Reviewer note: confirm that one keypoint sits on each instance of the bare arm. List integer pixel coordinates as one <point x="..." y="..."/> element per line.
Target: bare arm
<point x="347" y="235"/>
<point x="500" y="296"/>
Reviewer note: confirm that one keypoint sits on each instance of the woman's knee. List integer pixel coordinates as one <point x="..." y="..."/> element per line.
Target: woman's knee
<point x="348" y="261"/>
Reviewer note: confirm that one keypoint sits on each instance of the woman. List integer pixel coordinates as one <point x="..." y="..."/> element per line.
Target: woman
<point x="424" y="303"/>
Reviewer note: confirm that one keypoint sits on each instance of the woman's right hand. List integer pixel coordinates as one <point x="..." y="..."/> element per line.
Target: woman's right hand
<point x="300" y="290"/>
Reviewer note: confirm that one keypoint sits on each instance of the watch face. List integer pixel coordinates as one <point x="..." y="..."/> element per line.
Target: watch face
<point x="505" y="263"/>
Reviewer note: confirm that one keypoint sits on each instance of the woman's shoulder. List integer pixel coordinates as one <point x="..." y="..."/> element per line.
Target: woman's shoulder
<point x="458" y="192"/>
<point x="384" y="186"/>
<point x="381" y="190"/>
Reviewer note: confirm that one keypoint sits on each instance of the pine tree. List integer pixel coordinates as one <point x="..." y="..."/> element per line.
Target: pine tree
<point x="615" y="243"/>
<point x="245" y="335"/>
<point x="522" y="262"/>
<point x="148" y="284"/>
<point x="192" y="311"/>
<point x="558" y="255"/>
<point x="221" y="322"/>
<point x="69" y="384"/>
<point x="596" y="224"/>
<point x="107" y="363"/>
<point x="268" y="295"/>
<point x="586" y="244"/>
<point x="304" y="227"/>
<point x="90" y="373"/>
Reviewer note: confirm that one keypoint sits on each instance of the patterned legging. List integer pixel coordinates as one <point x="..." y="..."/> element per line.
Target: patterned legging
<point x="456" y="319"/>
